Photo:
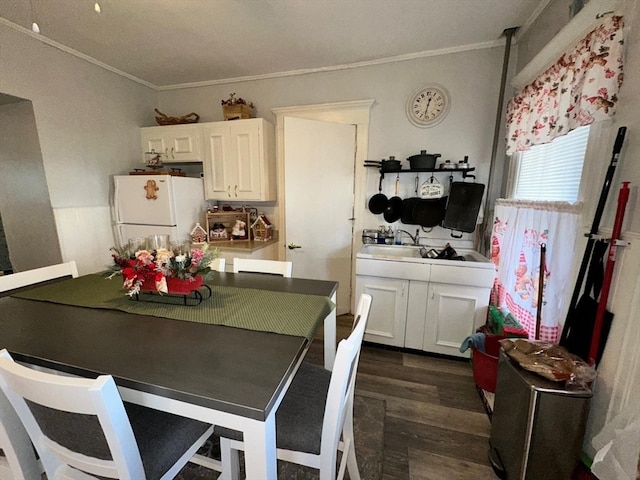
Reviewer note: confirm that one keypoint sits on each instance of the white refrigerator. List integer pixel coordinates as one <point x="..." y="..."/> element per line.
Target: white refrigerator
<point x="157" y="204"/>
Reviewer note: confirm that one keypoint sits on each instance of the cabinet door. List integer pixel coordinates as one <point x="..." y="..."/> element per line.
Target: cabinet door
<point x="248" y="154"/>
<point x="177" y="143"/>
<point x="453" y="313"/>
<point x="388" y="315"/>
<point x="239" y="160"/>
<point x="219" y="173"/>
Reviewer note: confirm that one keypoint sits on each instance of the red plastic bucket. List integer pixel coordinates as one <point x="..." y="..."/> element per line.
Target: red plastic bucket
<point x="485" y="364"/>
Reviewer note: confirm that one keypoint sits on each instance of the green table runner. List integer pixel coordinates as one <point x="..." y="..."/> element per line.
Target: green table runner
<point x="279" y="312"/>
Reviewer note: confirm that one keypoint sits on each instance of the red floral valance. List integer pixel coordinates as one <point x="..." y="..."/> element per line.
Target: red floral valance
<point x="579" y="89"/>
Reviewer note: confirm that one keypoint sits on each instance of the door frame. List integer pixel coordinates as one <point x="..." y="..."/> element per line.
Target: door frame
<point x="356" y="113"/>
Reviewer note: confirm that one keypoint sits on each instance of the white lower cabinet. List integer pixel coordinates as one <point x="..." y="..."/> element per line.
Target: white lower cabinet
<point x="453" y="312"/>
<point x="434" y="310"/>
<point x="388" y="314"/>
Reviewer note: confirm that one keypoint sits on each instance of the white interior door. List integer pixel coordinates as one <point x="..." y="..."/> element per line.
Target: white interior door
<point x="319" y="162"/>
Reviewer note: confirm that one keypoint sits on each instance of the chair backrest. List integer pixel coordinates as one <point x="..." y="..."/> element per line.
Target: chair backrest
<point x="19" y="461"/>
<point x="37" y="275"/>
<point x="343" y="376"/>
<point x="218" y="264"/>
<point x="275" y="267"/>
<point x="97" y="437"/>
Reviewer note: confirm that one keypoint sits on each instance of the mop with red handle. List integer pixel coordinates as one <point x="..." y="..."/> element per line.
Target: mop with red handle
<point x="623" y="197"/>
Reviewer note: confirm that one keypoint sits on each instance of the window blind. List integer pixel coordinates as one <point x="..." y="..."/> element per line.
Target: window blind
<point x="552" y="171"/>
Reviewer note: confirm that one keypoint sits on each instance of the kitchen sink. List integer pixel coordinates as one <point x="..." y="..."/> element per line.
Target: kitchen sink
<point x="409" y="253"/>
<point x="390" y="251"/>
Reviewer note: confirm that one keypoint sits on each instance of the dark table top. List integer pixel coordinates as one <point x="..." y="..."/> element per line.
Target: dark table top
<point x="228" y="369"/>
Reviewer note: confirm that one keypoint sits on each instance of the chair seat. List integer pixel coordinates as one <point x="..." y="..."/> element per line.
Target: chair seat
<point x="301" y="413"/>
<point x="162" y="437"/>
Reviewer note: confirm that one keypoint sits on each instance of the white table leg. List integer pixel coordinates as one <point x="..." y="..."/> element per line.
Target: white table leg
<point x="260" y="449"/>
<point x="330" y="337"/>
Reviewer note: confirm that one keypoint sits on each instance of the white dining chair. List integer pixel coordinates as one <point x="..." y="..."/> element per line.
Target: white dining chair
<point x="81" y="426"/>
<point x="18" y="460"/>
<point x="37" y="275"/>
<point x="254" y="265"/>
<point x="315" y="418"/>
<point x="218" y="264"/>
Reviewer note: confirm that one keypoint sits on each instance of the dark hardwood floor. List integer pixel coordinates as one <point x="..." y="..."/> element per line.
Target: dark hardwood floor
<point x="435" y="424"/>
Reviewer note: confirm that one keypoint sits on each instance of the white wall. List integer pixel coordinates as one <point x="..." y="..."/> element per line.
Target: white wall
<point x="88" y="122"/>
<point x="472" y="78"/>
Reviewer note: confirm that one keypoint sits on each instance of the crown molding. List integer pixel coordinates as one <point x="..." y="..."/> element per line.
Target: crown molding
<point x="346" y="66"/>
<point x="75" y="53"/>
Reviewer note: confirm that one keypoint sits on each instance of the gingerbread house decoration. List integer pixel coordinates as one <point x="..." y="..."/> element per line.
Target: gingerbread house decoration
<point x="262" y="228"/>
<point x="198" y="234"/>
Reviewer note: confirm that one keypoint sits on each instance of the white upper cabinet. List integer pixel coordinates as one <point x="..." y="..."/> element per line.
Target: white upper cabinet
<point x="239" y="160"/>
<point x="176" y="143"/>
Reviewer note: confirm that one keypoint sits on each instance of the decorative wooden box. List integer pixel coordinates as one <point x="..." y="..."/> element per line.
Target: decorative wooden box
<point x="237" y="111"/>
<point x="228" y="220"/>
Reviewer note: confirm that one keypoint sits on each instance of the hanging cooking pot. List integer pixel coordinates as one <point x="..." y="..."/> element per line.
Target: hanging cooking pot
<point x="393" y="212"/>
<point x="429" y="212"/>
<point x="391" y="165"/>
<point x="379" y="201"/>
<point x="407" y="206"/>
<point x="423" y="161"/>
<point x="465" y="199"/>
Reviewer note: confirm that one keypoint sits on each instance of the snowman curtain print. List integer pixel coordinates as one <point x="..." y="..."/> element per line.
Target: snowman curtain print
<point x="519" y="228"/>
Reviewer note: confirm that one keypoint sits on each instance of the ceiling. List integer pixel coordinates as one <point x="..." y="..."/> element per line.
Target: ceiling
<point x="171" y="43"/>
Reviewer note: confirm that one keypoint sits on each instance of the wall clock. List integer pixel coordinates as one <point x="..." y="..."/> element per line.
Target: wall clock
<point x="428" y="105"/>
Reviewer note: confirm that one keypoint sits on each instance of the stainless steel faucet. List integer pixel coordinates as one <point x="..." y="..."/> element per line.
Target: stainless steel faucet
<point x="415" y="239"/>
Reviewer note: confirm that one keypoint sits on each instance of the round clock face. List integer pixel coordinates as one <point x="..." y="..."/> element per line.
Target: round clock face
<point x="428" y="105"/>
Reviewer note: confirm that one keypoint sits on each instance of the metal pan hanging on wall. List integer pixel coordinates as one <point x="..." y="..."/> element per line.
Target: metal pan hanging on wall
<point x="408" y="204"/>
<point x="378" y="202"/>
<point x="463" y="206"/>
<point x="393" y="212"/>
<point x="429" y="212"/>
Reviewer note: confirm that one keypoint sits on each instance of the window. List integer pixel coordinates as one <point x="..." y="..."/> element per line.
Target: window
<point x="552" y="171"/>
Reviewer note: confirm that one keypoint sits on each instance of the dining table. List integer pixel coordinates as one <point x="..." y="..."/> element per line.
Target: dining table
<point x="227" y="361"/>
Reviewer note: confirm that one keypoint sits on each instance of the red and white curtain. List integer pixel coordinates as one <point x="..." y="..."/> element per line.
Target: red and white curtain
<point x="579" y="89"/>
<point x="519" y="229"/>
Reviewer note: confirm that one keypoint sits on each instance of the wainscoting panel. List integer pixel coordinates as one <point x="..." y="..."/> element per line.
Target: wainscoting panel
<point x="85" y="236"/>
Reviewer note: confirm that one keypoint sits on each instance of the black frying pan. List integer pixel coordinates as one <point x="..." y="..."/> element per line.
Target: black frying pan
<point x="378" y="202"/>
<point x="429" y="212"/>
<point x="408" y="205"/>
<point x="393" y="212"/>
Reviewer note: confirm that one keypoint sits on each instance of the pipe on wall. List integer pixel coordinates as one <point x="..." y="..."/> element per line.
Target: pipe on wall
<point x="487" y="223"/>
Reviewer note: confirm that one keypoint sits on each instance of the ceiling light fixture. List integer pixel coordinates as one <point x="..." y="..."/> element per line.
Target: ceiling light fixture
<point x="96" y="7"/>
<point x="34" y="25"/>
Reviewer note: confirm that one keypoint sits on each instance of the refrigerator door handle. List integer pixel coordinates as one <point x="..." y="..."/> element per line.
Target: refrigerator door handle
<point x="116" y="198"/>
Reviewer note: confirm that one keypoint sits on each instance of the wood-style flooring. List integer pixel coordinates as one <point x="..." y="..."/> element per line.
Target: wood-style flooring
<point x="436" y="427"/>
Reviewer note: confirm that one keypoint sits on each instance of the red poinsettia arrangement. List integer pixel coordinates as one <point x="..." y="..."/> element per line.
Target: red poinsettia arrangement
<point x="153" y="268"/>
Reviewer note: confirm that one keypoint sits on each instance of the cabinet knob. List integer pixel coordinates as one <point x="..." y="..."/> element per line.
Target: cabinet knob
<point x="235" y="190"/>
<point x="229" y="190"/>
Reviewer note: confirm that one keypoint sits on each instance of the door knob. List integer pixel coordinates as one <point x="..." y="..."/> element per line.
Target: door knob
<point x="293" y="246"/>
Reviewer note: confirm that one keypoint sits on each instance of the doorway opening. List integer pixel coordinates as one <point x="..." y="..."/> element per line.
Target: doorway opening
<point x="28" y="223"/>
